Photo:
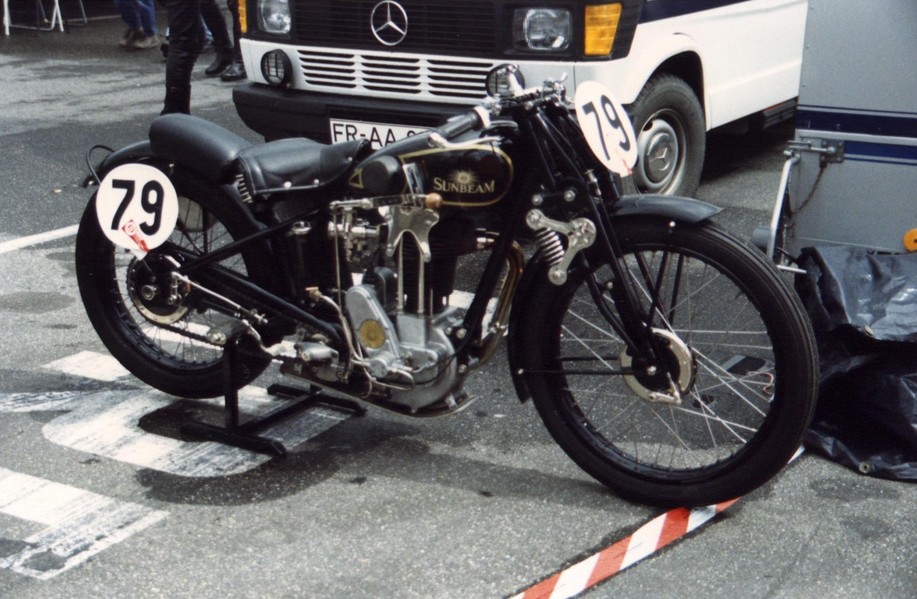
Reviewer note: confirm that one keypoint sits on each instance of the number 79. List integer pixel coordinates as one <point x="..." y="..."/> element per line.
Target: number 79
<point x="613" y="120"/>
<point x="151" y="200"/>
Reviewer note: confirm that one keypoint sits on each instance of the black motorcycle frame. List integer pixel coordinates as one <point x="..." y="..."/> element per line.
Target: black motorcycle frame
<point x="561" y="154"/>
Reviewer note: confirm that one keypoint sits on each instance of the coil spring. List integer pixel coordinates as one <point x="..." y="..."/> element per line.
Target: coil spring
<point x="244" y="192"/>
<point x="549" y="242"/>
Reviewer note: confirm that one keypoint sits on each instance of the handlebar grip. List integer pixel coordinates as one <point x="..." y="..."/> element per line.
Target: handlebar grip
<point x="473" y="119"/>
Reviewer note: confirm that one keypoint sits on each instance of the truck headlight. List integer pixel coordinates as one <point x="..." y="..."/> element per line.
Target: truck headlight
<point x="274" y="16"/>
<point x="542" y="29"/>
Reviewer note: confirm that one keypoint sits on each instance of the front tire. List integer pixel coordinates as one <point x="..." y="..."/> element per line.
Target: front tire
<point x="165" y="345"/>
<point x="737" y="347"/>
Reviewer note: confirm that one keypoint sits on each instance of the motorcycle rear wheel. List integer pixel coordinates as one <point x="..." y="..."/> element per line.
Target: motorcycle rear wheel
<point x="739" y="350"/>
<point x="162" y="346"/>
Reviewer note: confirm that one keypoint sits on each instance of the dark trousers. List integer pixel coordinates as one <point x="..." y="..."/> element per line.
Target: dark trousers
<point x="236" y="28"/>
<point x="186" y="36"/>
<point x="213" y="18"/>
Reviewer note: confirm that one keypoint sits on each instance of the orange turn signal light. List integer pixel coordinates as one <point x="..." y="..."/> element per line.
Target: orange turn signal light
<point x="601" y="27"/>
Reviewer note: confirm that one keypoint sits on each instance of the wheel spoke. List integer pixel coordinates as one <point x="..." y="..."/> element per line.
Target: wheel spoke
<point x="204" y="234"/>
<point x="700" y="419"/>
<point x="722" y="411"/>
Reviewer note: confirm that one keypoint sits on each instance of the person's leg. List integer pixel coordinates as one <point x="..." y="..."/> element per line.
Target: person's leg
<point x="222" y="45"/>
<point x="233" y="6"/>
<point x="208" y="38"/>
<point x="236" y="70"/>
<point x="147" y="14"/>
<point x="185" y="37"/>
<point x="129" y="16"/>
<point x="215" y="22"/>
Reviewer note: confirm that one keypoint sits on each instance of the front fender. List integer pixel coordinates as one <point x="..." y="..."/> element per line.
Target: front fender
<point x="518" y="318"/>
<point x="684" y="211"/>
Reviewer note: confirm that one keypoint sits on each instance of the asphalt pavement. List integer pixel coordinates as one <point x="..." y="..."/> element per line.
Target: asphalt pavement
<point x="99" y="498"/>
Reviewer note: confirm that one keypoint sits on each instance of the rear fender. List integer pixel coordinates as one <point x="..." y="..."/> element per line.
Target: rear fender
<point x="141" y="152"/>
<point x="135" y="152"/>
<point x="269" y="266"/>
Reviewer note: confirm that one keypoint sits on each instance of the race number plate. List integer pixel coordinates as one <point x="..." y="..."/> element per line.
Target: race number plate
<point x="137" y="207"/>
<point x="379" y="134"/>
<point x="606" y="127"/>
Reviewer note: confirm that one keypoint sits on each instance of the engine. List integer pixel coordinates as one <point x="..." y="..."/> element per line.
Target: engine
<point x="402" y="319"/>
<point x="399" y="318"/>
<point x="411" y="356"/>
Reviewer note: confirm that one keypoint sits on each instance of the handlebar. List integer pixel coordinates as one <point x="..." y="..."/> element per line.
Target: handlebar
<point x="477" y="118"/>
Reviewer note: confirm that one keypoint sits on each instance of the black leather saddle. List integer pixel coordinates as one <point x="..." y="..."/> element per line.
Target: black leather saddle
<point x="218" y="154"/>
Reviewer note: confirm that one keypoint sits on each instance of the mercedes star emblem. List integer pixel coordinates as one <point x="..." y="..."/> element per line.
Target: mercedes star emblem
<point x="389" y="22"/>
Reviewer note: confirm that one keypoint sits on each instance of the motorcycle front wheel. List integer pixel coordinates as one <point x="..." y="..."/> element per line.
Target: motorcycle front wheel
<point x="165" y="344"/>
<point x="737" y="386"/>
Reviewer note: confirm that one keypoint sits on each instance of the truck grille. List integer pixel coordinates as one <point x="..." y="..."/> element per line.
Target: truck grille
<point x="417" y="77"/>
<point x="467" y="28"/>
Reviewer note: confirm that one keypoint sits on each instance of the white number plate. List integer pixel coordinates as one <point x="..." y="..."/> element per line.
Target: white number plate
<point x="137" y="207"/>
<point x="380" y="134"/>
<point x="606" y="127"/>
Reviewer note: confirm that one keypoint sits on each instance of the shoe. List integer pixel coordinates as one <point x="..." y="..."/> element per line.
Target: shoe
<point x="130" y="36"/>
<point x="146" y="42"/>
<point x="234" y="72"/>
<point x="218" y="65"/>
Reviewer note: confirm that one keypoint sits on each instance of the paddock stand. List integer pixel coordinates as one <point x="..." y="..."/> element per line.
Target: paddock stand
<point x="245" y="434"/>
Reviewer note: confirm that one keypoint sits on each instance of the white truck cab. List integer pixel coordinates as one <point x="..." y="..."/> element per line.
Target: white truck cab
<point x="382" y="69"/>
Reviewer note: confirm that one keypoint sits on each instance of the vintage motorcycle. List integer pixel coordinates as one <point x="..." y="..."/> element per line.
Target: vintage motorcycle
<point x="667" y="358"/>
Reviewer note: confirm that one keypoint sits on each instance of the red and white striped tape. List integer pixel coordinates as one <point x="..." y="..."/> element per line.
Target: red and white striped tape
<point x="648" y="539"/>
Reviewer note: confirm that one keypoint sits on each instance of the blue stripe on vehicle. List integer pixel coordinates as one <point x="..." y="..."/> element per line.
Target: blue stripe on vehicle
<point x="863" y="151"/>
<point x="656" y="10"/>
<point x="889" y="124"/>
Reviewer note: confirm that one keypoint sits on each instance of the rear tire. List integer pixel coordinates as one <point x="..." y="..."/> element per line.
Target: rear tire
<point x="162" y="345"/>
<point x="739" y="349"/>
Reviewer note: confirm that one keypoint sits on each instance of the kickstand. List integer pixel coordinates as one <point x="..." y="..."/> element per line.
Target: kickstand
<point x="245" y="435"/>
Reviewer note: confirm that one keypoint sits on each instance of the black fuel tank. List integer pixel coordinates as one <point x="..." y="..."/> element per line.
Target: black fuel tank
<point x="474" y="175"/>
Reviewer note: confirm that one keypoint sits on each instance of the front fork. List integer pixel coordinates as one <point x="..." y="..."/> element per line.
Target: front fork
<point x="628" y="321"/>
<point x="583" y="195"/>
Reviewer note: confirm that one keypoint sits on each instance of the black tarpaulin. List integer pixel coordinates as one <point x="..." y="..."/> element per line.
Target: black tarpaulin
<point x="863" y="307"/>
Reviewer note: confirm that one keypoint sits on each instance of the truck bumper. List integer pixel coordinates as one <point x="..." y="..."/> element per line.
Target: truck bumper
<point x="276" y="113"/>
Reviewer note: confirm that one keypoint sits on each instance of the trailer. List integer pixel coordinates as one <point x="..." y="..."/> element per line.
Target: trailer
<point x="851" y="174"/>
<point x="845" y="220"/>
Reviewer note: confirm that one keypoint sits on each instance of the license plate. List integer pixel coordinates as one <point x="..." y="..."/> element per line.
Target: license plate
<point x="379" y="134"/>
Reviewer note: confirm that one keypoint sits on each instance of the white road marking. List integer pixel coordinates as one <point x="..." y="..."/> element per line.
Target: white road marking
<point x="78" y="523"/>
<point x="107" y="425"/>
<point x="101" y="367"/>
<point x="29" y="240"/>
<point x="54" y="401"/>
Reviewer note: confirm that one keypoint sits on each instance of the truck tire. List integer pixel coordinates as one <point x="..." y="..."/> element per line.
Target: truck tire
<point x="671" y="138"/>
